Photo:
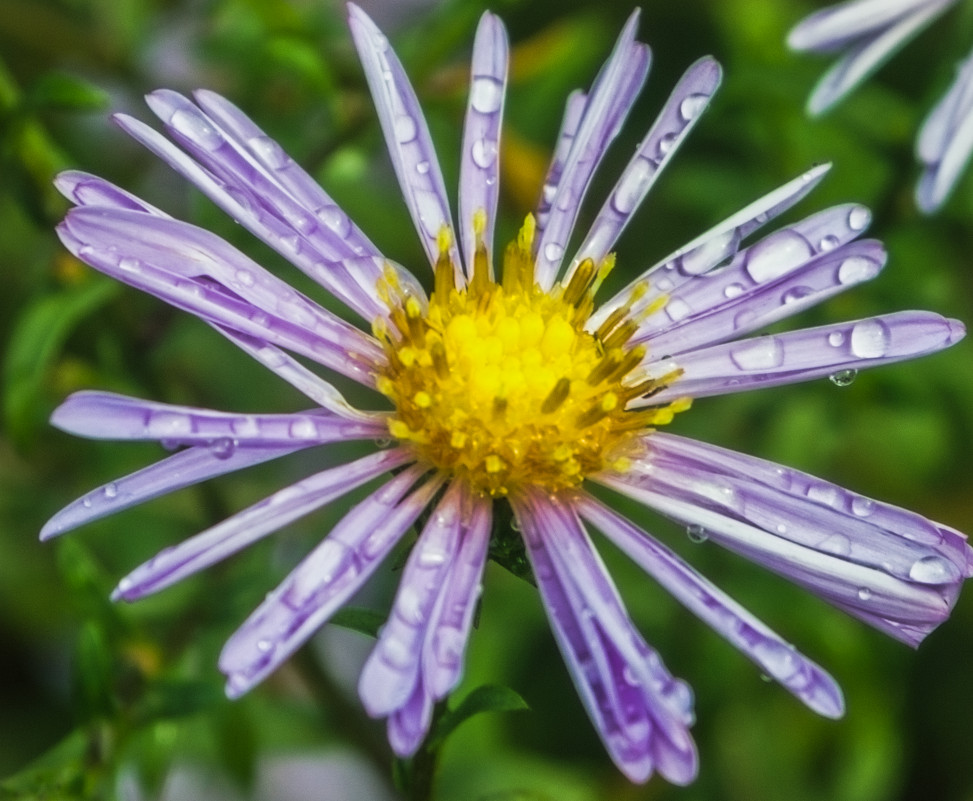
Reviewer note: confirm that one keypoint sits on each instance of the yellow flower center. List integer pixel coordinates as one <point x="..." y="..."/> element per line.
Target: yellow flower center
<point x="500" y="384"/>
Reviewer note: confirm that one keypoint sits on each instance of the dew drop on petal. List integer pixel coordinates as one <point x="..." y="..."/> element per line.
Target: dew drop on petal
<point x="335" y="219"/>
<point x="856" y="269"/>
<point x="486" y="94"/>
<point x="762" y="353"/>
<point x="130" y="265"/>
<point x="829" y="242"/>
<point x="553" y="251"/>
<point x="405" y="129"/>
<point x="422" y="167"/>
<point x="858" y="218"/>
<point x="777" y="255"/>
<point x="696" y="534"/>
<point x="110" y="491"/>
<point x="836" y="339"/>
<point x="222" y="448"/>
<point x="933" y="570"/>
<point x="843" y="378"/>
<point x="864" y="594"/>
<point x="632" y="186"/>
<point x="269" y="152"/>
<point x="264" y="646"/>
<point x="795" y="293"/>
<point x="245" y="277"/>
<point x="862" y="506"/>
<point x="869" y="339"/>
<point x="837" y="544"/>
<point x="665" y="143"/>
<point x="484" y="153"/>
<point x="396" y="653"/>
<point x="197" y="128"/>
<point x="677" y="309"/>
<point x="303" y="429"/>
<point x="733" y="290"/>
<point x="692" y="105"/>
<point x="709" y="253"/>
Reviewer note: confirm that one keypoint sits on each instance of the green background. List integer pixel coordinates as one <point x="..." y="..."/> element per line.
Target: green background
<point x="126" y="701"/>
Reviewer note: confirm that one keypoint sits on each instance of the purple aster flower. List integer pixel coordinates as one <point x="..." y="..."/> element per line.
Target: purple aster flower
<point x="506" y="384"/>
<point x="869" y="32"/>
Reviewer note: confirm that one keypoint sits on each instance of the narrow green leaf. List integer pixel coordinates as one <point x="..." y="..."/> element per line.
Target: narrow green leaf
<point x="356" y="618"/>
<point x="486" y="698"/>
<point x="60" y="90"/>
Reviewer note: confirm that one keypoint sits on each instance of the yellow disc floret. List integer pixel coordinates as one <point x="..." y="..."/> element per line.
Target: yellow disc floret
<point x="500" y="383"/>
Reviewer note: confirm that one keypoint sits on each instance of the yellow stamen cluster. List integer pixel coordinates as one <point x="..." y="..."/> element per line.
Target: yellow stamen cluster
<point x="499" y="383"/>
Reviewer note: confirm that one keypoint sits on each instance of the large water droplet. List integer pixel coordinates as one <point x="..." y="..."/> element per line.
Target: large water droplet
<point x="677" y="309"/>
<point x="870" y="339"/>
<point x="862" y="506"/>
<point x="843" y="378"/>
<point x="303" y="428"/>
<point x="777" y="255"/>
<point x="484" y="153"/>
<point x="130" y="265"/>
<point x="837" y="544"/>
<point x="692" y="105"/>
<point x="855" y="269"/>
<point x="335" y="219"/>
<point x="222" y="448"/>
<point x="195" y="127"/>
<point x="405" y="129"/>
<point x="696" y="534"/>
<point x="486" y="94"/>
<point x="836" y="339"/>
<point x="628" y="194"/>
<point x="858" y="218"/>
<point x="553" y="251"/>
<point x="731" y="291"/>
<point x="269" y="152"/>
<point x="709" y="253"/>
<point x="933" y="570"/>
<point x="396" y="652"/>
<point x="762" y="353"/>
<point x="665" y="143"/>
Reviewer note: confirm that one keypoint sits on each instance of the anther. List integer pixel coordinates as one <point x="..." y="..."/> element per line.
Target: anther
<point x="606" y="367"/>
<point x="621" y="334"/>
<point x="439" y="361"/>
<point x="556" y="396"/>
<point x="579" y="282"/>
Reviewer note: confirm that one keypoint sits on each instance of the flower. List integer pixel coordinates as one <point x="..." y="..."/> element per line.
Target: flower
<point x="869" y="32"/>
<point x="509" y="387"/>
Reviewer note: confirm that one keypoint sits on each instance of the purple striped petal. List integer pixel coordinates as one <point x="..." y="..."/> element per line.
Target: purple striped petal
<point x="351" y="280"/>
<point x="792" y="356"/>
<point x="802" y="677"/>
<point x="714" y="247"/>
<point x="872" y="560"/>
<point x="407" y="135"/>
<point x="946" y="141"/>
<point x="106" y="415"/>
<point x="777" y="278"/>
<point x="683" y="108"/>
<point x="83" y="189"/>
<point x="176" y="472"/>
<point x="609" y="101"/>
<point x="252" y="524"/>
<point x="324" y="581"/>
<point x="409" y="724"/>
<point x="200" y="273"/>
<point x="881" y="27"/>
<point x="641" y="713"/>
<point x="418" y="656"/>
<point x="480" y="165"/>
<point x="573" y="111"/>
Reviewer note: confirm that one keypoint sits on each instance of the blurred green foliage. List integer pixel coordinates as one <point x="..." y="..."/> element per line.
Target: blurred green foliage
<point x="102" y="701"/>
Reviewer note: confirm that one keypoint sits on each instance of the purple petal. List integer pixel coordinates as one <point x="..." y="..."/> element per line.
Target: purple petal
<point x="409" y="724"/>
<point x="776" y="278"/>
<point x="716" y="246"/>
<point x="323" y="581"/>
<point x="254" y="523"/>
<point x="681" y="111"/>
<point x="573" y="111"/>
<point x="946" y="141"/>
<point x="872" y="560"/>
<point x="422" y="644"/>
<point x="198" y="272"/>
<point x="176" y="472"/>
<point x="407" y="134"/>
<point x="609" y="101"/>
<point x="90" y="190"/>
<point x="480" y="165"/>
<point x="641" y="713"/>
<point x="875" y="45"/>
<point x="105" y="415"/>
<point x="352" y="280"/>
<point x="806" y="680"/>
<point x="837" y="26"/>
<point x="792" y="356"/>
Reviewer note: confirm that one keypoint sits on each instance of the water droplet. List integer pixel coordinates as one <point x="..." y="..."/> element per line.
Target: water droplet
<point x="408" y="605"/>
<point x="431" y="557"/>
<point x="864" y="594"/>
<point x="335" y="219"/>
<point x="837" y="544"/>
<point x="733" y="290"/>
<point x="933" y="570"/>
<point x="269" y="152"/>
<point x="744" y="319"/>
<point x="169" y="424"/>
<point x="110" y="491"/>
<point x="245" y="277"/>
<point x="130" y="265"/>
<point x="829" y="242"/>
<point x="484" y="153"/>
<point x="696" y="534"/>
<point x="303" y="428"/>
<point x="486" y="94"/>
<point x="858" y="218"/>
<point x="796" y="293"/>
<point x="264" y="646"/>
<point x="777" y="255"/>
<point x="781" y="529"/>
<point x="632" y="186"/>
<point x="677" y="309"/>
<point x="692" y="105"/>
<point x="422" y="167"/>
<point x="762" y="353"/>
<point x="862" y="506"/>
<point x="870" y="339"/>
<point x="836" y="339"/>
<point x="86" y="502"/>
<point x="447" y="644"/>
<point x="222" y="448"/>
<point x="396" y="653"/>
<point x="665" y="143"/>
<point x="855" y="269"/>
<point x="709" y="253"/>
<point x="553" y="251"/>
<point x="843" y="378"/>
<point x="195" y="127"/>
<point x="405" y="129"/>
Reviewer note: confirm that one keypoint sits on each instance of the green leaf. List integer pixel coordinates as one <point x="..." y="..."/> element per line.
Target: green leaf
<point x="58" y="775"/>
<point x="486" y="698"/>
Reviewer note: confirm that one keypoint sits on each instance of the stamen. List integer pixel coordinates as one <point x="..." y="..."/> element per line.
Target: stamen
<point x="557" y="396"/>
<point x="580" y="280"/>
